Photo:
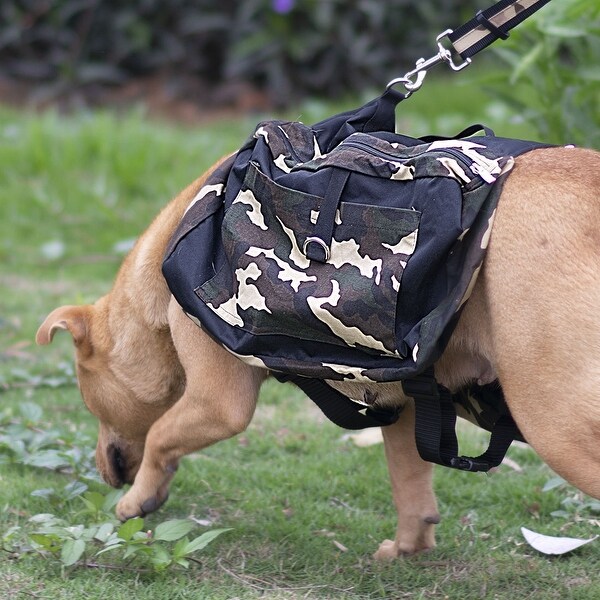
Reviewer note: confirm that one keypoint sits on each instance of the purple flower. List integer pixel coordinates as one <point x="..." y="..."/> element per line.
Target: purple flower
<point x="283" y="6"/>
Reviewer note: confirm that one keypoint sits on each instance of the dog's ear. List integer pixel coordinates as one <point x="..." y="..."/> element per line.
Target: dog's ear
<point x="74" y="319"/>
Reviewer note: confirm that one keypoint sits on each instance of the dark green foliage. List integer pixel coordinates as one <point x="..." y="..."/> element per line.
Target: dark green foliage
<point x="288" y="48"/>
<point x="332" y="47"/>
<point x="107" y="41"/>
<point x="555" y="80"/>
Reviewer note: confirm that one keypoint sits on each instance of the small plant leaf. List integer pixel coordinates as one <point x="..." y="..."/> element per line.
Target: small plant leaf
<point x="48" y="459"/>
<point x="43" y="493"/>
<point x="202" y="541"/>
<point x="75" y="531"/>
<point x="170" y="531"/>
<point x="594" y="506"/>
<point x="179" y="548"/>
<point x="111" y="545"/>
<point x="130" y="527"/>
<point x="553" y="483"/>
<point x="565" y="31"/>
<point x="160" y="558"/>
<point x="104" y="532"/>
<point x="111" y="499"/>
<point x="525" y="63"/>
<point x="74" y="489"/>
<point x="8" y="534"/>
<point x="31" y="412"/>
<point x="71" y="552"/>
<point x="46" y="542"/>
<point x="46" y="518"/>
<point x="131" y="549"/>
<point x="93" y="500"/>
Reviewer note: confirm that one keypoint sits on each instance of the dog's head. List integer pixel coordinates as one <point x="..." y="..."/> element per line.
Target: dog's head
<point x="112" y="384"/>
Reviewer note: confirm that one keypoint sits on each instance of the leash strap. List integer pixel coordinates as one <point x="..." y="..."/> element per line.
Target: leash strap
<point x="485" y="28"/>
<point x="492" y="24"/>
<point x="435" y="428"/>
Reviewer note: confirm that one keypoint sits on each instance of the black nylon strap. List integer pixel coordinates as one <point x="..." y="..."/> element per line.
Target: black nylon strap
<point x="503" y="435"/>
<point x="492" y="24"/>
<point x="377" y="115"/>
<point x="483" y="20"/>
<point x="338" y="408"/>
<point x="468" y="132"/>
<point x="435" y="421"/>
<point x="317" y="246"/>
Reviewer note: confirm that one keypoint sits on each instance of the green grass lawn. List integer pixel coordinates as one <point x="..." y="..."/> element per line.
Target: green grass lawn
<point x="306" y="508"/>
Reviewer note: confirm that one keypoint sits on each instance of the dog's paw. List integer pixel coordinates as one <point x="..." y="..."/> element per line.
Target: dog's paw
<point x="129" y="506"/>
<point x="388" y="551"/>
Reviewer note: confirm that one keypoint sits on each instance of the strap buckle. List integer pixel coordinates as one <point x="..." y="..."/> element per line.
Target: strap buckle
<point x="464" y="463"/>
<point x="435" y="422"/>
<point x="422" y="66"/>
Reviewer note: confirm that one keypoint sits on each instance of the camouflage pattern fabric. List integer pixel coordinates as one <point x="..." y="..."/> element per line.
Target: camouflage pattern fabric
<point x="407" y="237"/>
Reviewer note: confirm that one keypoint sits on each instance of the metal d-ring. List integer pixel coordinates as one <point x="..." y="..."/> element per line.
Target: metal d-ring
<point x="320" y="242"/>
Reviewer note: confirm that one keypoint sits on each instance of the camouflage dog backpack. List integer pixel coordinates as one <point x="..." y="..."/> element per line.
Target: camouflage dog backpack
<point x="341" y="250"/>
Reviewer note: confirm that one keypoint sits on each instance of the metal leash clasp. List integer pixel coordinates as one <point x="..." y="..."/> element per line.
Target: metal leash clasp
<point x="422" y="66"/>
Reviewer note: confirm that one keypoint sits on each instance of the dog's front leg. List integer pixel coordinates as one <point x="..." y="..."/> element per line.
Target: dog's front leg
<point x="218" y="402"/>
<point x="412" y="489"/>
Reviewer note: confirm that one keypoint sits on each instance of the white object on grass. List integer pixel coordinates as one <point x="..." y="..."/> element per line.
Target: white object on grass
<point x="548" y="544"/>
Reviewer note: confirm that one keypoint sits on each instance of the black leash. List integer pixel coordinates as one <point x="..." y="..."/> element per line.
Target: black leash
<point x="491" y="25"/>
<point x="485" y="28"/>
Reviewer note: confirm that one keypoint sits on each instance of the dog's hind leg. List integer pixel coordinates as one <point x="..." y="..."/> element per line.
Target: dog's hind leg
<point x="411" y="479"/>
<point x="542" y="282"/>
<point x="218" y="403"/>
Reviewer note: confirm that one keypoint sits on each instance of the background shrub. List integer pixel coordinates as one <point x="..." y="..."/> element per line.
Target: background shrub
<point x="555" y="80"/>
<point x="288" y="48"/>
<point x="330" y="48"/>
<point x="211" y="52"/>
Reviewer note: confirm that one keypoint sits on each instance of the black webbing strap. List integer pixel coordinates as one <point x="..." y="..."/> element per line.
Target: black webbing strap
<point x="468" y="132"/>
<point x="318" y="246"/>
<point x="338" y="408"/>
<point x="492" y="24"/>
<point x="435" y="421"/>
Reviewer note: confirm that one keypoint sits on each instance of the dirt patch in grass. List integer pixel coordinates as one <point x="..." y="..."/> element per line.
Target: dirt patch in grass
<point x="179" y="99"/>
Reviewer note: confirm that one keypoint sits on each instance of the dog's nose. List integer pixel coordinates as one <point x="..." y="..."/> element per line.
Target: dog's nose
<point x="117" y="466"/>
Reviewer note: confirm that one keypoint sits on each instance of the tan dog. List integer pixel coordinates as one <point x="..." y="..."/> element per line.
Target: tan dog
<point x="162" y="388"/>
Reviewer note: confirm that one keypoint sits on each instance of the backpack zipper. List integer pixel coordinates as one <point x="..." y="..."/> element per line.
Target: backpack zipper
<point x="390" y="157"/>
